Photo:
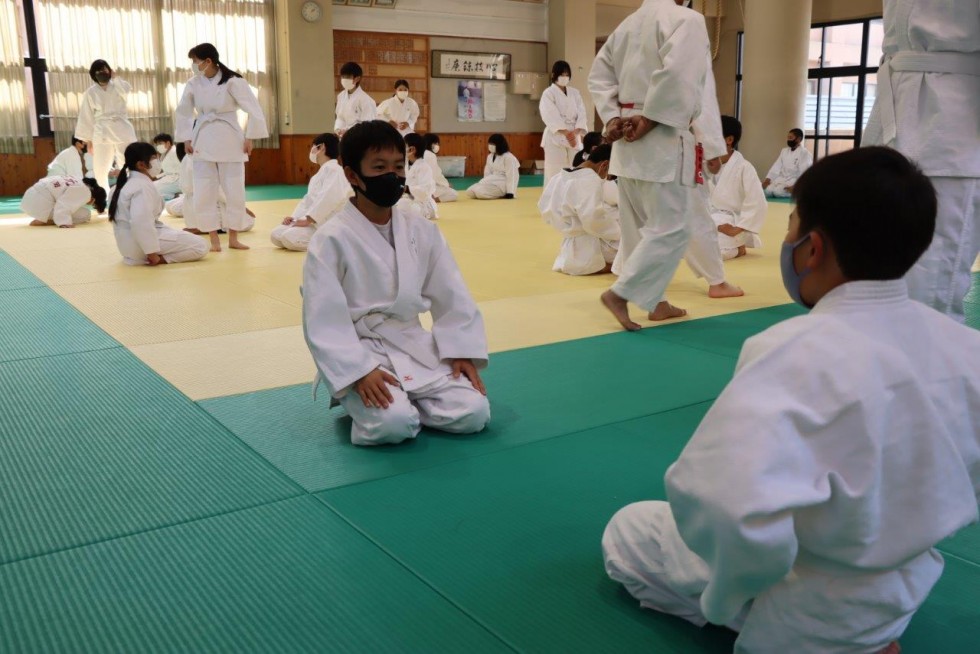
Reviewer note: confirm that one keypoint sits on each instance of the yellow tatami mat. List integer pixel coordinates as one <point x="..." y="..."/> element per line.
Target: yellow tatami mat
<point x="231" y="323"/>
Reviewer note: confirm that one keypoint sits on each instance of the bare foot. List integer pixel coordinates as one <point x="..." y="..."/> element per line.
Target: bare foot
<point x="666" y="311"/>
<point x="741" y="251"/>
<point x="38" y="223"/>
<point x="618" y="308"/>
<point x="215" y="242"/>
<point x="725" y="289"/>
<point x="893" y="648"/>
<point x="237" y="245"/>
<point x="194" y="230"/>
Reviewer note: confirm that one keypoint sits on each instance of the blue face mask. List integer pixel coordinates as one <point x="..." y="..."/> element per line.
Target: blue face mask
<point x="792" y="279"/>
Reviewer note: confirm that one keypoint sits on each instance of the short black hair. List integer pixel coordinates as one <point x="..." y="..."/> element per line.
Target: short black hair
<point x="330" y="143"/>
<point x="430" y="140"/>
<point x="501" y="143"/>
<point x="369" y="135"/>
<point x="414" y="140"/>
<point x="402" y="82"/>
<point x="797" y="132"/>
<point x="351" y="68"/>
<point x="98" y="193"/>
<point x="874" y="205"/>
<point x="76" y="141"/>
<point x="97" y="65"/>
<point x="601" y="153"/>
<point x="163" y="137"/>
<point x="591" y="140"/>
<point x="181" y="151"/>
<point x="560" y="68"/>
<point x="730" y="126"/>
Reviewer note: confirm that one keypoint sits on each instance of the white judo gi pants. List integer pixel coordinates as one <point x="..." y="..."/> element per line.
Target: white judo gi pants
<point x="556" y="157"/>
<point x="654" y="219"/>
<point x="778" y="188"/>
<point x="292" y="238"/>
<point x="102" y="158"/>
<point x="210" y="179"/>
<point x="488" y="189"/>
<point x="703" y="251"/>
<point x="182" y="206"/>
<point x="446" y="194"/>
<point x="941" y="278"/>
<point x="176" y="246"/>
<point x="167" y="189"/>
<point x="841" y="613"/>
<point x="450" y="405"/>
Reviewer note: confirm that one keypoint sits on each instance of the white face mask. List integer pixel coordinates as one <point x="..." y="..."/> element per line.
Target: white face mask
<point x="162" y="149"/>
<point x="347" y="83"/>
<point x="155" y="169"/>
<point x="564" y="80"/>
<point x="313" y="153"/>
<point x="402" y="95"/>
<point x="435" y="148"/>
<point x="201" y="68"/>
<point x="492" y="148"/>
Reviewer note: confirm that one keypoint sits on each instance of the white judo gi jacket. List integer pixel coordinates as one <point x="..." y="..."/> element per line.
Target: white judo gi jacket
<point x="735" y="197"/>
<point x="422" y="188"/>
<point x="102" y="116"/>
<point x="362" y="299"/>
<point x="71" y="163"/>
<point x="62" y="200"/>
<point x="502" y="171"/>
<point x="400" y="112"/>
<point x="573" y="204"/>
<point x="353" y="108"/>
<point x="438" y="176"/>
<point x="560" y="111"/>
<point x="327" y="193"/>
<point x="137" y="224"/>
<point x="845" y="448"/>
<point x="788" y="167"/>
<point x="207" y="116"/>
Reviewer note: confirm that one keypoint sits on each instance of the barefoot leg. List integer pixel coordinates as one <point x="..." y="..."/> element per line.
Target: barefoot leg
<point x="215" y="242"/>
<point x="194" y="230"/>
<point x="618" y="308"/>
<point x="39" y="223"/>
<point x="741" y="251"/>
<point x="725" y="289"/>
<point x="233" y="241"/>
<point x="666" y="311"/>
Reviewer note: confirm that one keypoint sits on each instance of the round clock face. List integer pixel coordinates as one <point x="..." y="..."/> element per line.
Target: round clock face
<point x="311" y="12"/>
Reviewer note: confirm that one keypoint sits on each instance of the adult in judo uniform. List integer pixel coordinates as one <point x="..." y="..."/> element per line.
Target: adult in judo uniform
<point x="369" y="273"/>
<point x="326" y="195"/>
<point x="73" y="161"/>
<point x="928" y="109"/>
<point x="649" y="86"/>
<point x="565" y="121"/>
<point x="103" y="121"/>
<point x="805" y="510"/>
<point x="400" y="111"/>
<point x="793" y="161"/>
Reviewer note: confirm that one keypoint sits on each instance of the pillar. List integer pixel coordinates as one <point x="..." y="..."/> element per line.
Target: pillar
<point x="774" y="70"/>
<point x="571" y="36"/>
<point x="306" y="69"/>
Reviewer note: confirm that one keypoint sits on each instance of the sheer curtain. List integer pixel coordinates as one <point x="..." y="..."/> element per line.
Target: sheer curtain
<point x="15" y="117"/>
<point x="146" y="43"/>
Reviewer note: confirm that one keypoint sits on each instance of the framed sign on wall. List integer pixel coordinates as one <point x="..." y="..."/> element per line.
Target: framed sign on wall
<point x="470" y="65"/>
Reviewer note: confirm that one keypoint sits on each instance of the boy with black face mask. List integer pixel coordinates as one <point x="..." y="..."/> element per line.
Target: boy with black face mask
<point x="793" y="161"/>
<point x="369" y="273"/>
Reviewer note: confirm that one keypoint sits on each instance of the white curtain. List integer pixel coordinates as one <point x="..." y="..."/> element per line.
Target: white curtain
<point x="15" y="117"/>
<point x="146" y="43"/>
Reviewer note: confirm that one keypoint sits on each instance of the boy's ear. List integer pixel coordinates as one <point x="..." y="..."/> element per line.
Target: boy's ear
<point x="730" y="141"/>
<point x="350" y="175"/>
<point x="819" y="250"/>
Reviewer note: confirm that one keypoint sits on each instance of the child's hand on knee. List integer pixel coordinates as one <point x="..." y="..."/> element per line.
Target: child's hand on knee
<point x="466" y="368"/>
<point x="373" y="389"/>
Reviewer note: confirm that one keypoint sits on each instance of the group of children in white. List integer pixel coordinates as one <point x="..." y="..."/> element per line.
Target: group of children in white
<point x="805" y="510"/>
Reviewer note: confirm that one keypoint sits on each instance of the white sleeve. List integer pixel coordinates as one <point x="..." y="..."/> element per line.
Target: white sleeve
<point x="437" y="174"/>
<point x="424" y="187"/>
<point x="583" y="119"/>
<point x="587" y="199"/>
<point x="807" y="159"/>
<point x="68" y="203"/>
<point x="413" y="114"/>
<point x="328" y="199"/>
<point x="368" y="107"/>
<point x="548" y="109"/>
<point x="675" y="90"/>
<point x="185" y="115"/>
<point x="340" y="123"/>
<point x="121" y="86"/>
<point x="57" y="167"/>
<point x="488" y="168"/>
<point x="513" y="172"/>
<point x="143" y="214"/>
<point x="752" y="215"/>
<point x="603" y="83"/>
<point x="85" y="127"/>
<point x="383" y="110"/>
<point x="707" y="126"/>
<point x="239" y="89"/>
<point x="777" y="168"/>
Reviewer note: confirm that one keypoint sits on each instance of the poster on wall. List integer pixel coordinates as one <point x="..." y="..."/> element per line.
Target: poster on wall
<point x="494" y="102"/>
<point x="469" y="101"/>
<point x="470" y="65"/>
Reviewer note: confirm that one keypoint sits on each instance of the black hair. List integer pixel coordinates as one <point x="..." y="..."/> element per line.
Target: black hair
<point x="75" y="141"/>
<point x="875" y="207"/>
<point x="181" y="151"/>
<point x="351" y="68"/>
<point x="416" y="141"/>
<point x="430" y="140"/>
<point x="330" y="143"/>
<point x="98" y="193"/>
<point x="402" y="82"/>
<point x="560" y="67"/>
<point x="135" y="153"/>
<point x="97" y="65"/>
<point x="601" y="153"/>
<point x="730" y="126"/>
<point x="589" y="143"/>
<point x="163" y="136"/>
<point x="500" y="142"/>
<point x="797" y="132"/>
<point x="369" y="135"/>
<point x="204" y="51"/>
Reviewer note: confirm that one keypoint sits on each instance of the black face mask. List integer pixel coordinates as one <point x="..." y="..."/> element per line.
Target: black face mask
<point x="103" y="77"/>
<point x="383" y="190"/>
<point x="792" y="144"/>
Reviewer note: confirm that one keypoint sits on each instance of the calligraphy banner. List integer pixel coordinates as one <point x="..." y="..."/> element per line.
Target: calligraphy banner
<point x="470" y="65"/>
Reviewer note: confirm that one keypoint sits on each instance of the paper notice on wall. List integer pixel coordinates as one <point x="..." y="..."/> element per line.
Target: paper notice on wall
<point x="494" y="101"/>
<point x="469" y="101"/>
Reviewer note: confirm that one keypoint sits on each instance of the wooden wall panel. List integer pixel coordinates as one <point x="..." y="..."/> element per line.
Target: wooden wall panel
<point x="290" y="164"/>
<point x="474" y="148"/>
<point x="18" y="172"/>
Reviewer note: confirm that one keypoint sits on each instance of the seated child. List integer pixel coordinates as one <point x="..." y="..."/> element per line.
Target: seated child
<point x="63" y="200"/>
<point x="736" y="200"/>
<point x="368" y="275"/>
<point x="326" y="195"/>
<point x="135" y="211"/>
<point x="168" y="184"/>
<point x="805" y="510"/>
<point x="421" y="187"/>
<point x="444" y="192"/>
<point x="500" y="175"/>
<point x="573" y="204"/>
<point x="182" y="206"/>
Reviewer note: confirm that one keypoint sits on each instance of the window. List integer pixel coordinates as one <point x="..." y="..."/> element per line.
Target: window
<point x="16" y="135"/>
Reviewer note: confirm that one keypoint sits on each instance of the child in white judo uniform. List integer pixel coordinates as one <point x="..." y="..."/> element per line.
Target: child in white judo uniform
<point x="326" y="195"/>
<point x="103" y="120"/>
<point x="444" y="191"/>
<point x="805" y="510"/>
<point x="792" y="162"/>
<point x="354" y="105"/>
<point x="182" y="206"/>
<point x="63" y="200"/>
<point x="735" y="197"/>
<point x="73" y="161"/>
<point x="565" y="121"/>
<point x="572" y="203"/>
<point x="368" y="275"/>
<point x="501" y="173"/>
<point x="207" y="123"/>
<point x="135" y="211"/>
<point x="590" y="142"/>
<point x="400" y="111"/>
<point x="420" y="186"/>
<point x="168" y="184"/>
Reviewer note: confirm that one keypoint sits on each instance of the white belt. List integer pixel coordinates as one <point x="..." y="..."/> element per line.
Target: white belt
<point x="951" y="63"/>
<point x="229" y="117"/>
<point x="391" y="330"/>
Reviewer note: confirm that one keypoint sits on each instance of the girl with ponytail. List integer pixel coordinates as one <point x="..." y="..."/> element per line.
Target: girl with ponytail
<point x="207" y="124"/>
<point x="135" y="211"/>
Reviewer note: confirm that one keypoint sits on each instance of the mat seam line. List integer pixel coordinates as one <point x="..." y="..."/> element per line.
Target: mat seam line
<point x="62" y="354"/>
<point x="970" y="563"/>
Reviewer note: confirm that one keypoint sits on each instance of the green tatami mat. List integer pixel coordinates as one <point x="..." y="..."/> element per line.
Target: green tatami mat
<point x="513" y="538"/>
<point x="275" y="192"/>
<point x="10" y="205"/>
<point x="971" y="303"/>
<point x="36" y="322"/>
<point x="525" y="181"/>
<point x="14" y="276"/>
<point x="96" y="445"/>
<point x="287" y="577"/>
<point x="612" y="378"/>
<point x="965" y="544"/>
